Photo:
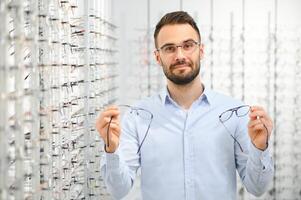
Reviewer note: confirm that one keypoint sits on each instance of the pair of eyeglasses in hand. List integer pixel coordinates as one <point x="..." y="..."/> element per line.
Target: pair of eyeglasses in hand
<point x="139" y="112"/>
<point x="239" y="111"/>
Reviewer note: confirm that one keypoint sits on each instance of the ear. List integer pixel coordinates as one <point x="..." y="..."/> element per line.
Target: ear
<point x="201" y="51"/>
<point x="157" y="57"/>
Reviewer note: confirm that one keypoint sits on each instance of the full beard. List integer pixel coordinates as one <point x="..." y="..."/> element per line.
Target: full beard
<point x="181" y="79"/>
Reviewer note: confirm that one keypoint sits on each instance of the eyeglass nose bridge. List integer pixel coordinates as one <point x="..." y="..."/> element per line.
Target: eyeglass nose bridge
<point x="177" y="49"/>
<point x="177" y="46"/>
<point x="235" y="112"/>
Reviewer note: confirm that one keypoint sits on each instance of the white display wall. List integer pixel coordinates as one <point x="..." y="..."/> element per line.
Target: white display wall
<point x="58" y="70"/>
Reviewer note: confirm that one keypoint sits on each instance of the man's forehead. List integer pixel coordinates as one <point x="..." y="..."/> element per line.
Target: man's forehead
<point x="176" y="33"/>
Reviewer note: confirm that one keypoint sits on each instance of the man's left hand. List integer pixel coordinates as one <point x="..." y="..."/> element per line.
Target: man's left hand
<point x="260" y="127"/>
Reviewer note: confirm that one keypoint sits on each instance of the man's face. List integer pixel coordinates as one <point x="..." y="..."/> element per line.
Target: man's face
<point x="182" y="66"/>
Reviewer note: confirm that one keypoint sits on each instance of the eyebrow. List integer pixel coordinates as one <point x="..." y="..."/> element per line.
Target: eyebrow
<point x="190" y="39"/>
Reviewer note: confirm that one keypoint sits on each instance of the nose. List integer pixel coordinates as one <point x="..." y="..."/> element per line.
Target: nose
<point x="179" y="53"/>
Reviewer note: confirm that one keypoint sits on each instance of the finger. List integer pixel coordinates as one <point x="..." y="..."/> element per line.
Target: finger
<point x="258" y="127"/>
<point x="118" y="117"/>
<point x="268" y="125"/>
<point x="105" y="117"/>
<point x="111" y="107"/>
<point x="264" y="121"/>
<point x="262" y="116"/>
<point x="116" y="120"/>
<point x="108" y="132"/>
<point x="115" y="129"/>
<point x="102" y="122"/>
<point x="260" y="120"/>
<point x="111" y="130"/>
<point x="255" y="107"/>
<point x="259" y="108"/>
<point x="105" y="123"/>
<point x="99" y="123"/>
<point x="254" y="122"/>
<point x="258" y="113"/>
<point x="114" y="125"/>
<point x="112" y="112"/>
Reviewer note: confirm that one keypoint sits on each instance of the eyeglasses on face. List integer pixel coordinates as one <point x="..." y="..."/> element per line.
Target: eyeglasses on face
<point x="188" y="47"/>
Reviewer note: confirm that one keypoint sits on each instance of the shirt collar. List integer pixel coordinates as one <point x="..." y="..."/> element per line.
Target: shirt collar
<point x="206" y="96"/>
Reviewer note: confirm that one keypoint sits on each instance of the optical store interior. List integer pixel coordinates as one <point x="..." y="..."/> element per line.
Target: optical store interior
<point x="62" y="62"/>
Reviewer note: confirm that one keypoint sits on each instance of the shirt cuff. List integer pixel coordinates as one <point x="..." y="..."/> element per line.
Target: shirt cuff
<point x="112" y="160"/>
<point x="260" y="159"/>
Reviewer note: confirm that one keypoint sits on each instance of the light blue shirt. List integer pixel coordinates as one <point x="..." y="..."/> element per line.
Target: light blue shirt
<point x="187" y="155"/>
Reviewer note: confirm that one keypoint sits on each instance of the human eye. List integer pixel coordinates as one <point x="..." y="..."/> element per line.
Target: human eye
<point x="188" y="45"/>
<point x="169" y="48"/>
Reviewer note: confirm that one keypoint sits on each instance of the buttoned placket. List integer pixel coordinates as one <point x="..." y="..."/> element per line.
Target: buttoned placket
<point x="188" y="158"/>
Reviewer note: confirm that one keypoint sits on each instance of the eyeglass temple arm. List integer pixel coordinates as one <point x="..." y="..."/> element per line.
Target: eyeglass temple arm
<point x="235" y="140"/>
<point x="139" y="148"/>
<point x="108" y="133"/>
<point x="124" y="105"/>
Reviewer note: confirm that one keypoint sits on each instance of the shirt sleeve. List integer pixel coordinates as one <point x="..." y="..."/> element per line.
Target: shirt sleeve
<point x="255" y="167"/>
<point x="119" y="169"/>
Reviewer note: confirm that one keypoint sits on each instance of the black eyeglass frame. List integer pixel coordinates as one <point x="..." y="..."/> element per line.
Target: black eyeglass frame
<point x="235" y="109"/>
<point x="136" y="109"/>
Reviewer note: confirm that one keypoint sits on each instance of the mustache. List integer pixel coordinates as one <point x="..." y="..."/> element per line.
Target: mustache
<point x="181" y="62"/>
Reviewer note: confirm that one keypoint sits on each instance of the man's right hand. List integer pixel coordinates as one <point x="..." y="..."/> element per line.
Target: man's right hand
<point x="102" y="125"/>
